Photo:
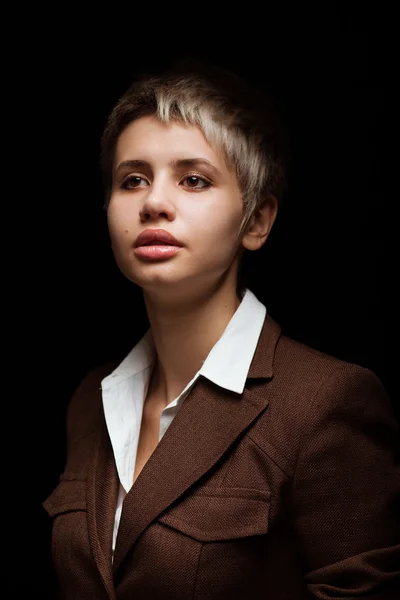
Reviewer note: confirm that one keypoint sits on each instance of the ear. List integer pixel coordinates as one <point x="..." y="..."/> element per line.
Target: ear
<point x="260" y="224"/>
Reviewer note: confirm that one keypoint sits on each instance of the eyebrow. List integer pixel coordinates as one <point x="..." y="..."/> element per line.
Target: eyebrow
<point x="174" y="164"/>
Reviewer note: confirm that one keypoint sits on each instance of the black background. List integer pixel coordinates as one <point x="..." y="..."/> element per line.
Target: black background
<point x="327" y="274"/>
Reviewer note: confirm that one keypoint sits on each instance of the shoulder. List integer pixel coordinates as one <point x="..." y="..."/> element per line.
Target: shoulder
<point x="85" y="406"/>
<point x="311" y="391"/>
<point x="301" y="356"/>
<point x="315" y="377"/>
<point x="314" y="371"/>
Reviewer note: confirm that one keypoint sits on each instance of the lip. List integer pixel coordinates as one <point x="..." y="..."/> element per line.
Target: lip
<point x="160" y="252"/>
<point x="157" y="236"/>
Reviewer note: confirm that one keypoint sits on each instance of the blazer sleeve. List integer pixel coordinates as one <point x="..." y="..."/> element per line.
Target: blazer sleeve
<point x="345" y="495"/>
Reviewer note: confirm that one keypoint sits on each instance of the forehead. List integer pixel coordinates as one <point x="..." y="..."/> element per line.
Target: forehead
<point x="149" y="139"/>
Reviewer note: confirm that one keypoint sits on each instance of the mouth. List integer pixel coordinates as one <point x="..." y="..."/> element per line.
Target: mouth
<point x="156" y="237"/>
<point x="156" y="243"/>
<point x="156" y="251"/>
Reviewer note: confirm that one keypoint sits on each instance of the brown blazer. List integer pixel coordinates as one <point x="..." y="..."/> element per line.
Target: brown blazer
<point x="286" y="492"/>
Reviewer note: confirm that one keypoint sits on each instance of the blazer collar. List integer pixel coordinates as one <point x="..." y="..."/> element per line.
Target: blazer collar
<point x="182" y="457"/>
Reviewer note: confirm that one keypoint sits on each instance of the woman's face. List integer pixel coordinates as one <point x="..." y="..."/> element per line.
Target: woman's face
<point x="168" y="177"/>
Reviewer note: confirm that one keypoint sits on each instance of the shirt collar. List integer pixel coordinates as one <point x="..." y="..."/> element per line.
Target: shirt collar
<point x="227" y="363"/>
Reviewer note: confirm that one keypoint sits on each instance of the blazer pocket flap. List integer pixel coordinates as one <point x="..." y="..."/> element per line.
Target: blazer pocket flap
<point x="69" y="495"/>
<point x="221" y="514"/>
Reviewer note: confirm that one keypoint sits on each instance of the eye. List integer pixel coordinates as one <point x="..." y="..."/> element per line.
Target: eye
<point x="195" y="182"/>
<point x="133" y="181"/>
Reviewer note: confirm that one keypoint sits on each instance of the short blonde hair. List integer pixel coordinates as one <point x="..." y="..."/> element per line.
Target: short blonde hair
<point x="233" y="116"/>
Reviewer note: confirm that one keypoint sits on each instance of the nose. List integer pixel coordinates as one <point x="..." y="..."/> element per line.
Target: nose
<point x="156" y="204"/>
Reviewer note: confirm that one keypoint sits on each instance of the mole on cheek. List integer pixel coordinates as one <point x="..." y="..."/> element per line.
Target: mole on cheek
<point x="126" y="230"/>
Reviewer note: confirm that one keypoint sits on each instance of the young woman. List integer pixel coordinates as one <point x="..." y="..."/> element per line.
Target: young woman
<point x="220" y="459"/>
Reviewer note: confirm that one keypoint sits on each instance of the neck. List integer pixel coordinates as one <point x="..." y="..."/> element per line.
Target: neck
<point x="184" y="332"/>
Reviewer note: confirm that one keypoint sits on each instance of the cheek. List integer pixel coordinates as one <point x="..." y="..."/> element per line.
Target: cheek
<point x="119" y="225"/>
<point x="218" y="227"/>
<point x="216" y="241"/>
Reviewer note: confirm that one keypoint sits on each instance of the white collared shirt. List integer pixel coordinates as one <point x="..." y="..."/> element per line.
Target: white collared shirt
<point x="125" y="389"/>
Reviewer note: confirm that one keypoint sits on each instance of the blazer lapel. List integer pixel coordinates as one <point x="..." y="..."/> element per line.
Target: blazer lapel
<point x="208" y="422"/>
<point x="102" y="495"/>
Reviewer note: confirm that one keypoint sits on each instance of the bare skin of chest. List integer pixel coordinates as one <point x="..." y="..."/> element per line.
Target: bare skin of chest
<point x="149" y="432"/>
